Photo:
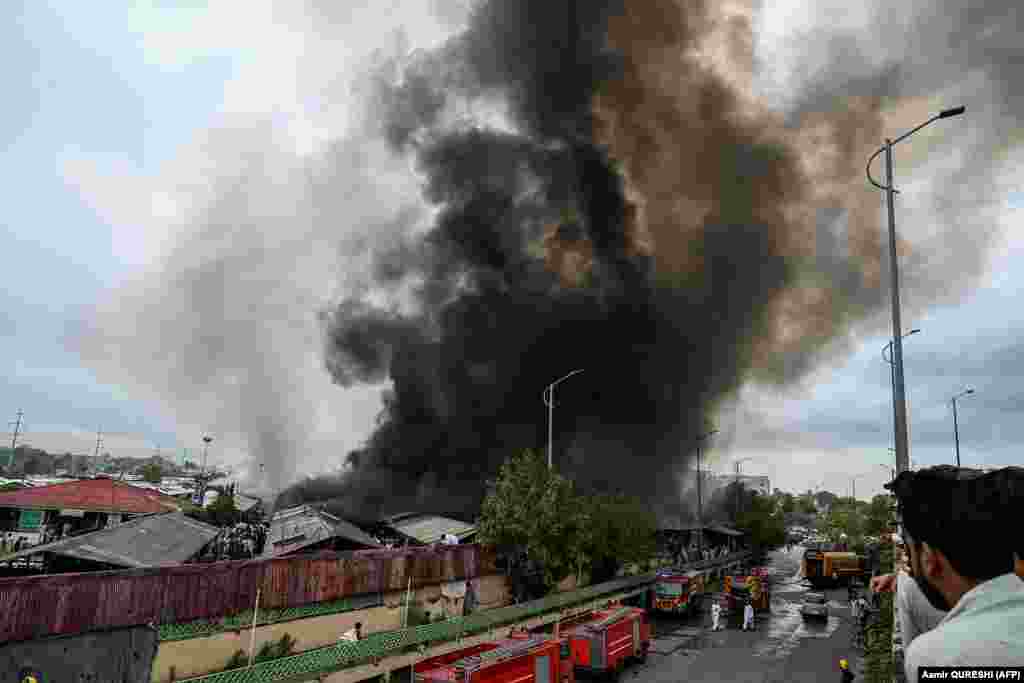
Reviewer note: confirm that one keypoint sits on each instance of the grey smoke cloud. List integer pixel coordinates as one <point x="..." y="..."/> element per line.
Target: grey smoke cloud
<point x="529" y="258"/>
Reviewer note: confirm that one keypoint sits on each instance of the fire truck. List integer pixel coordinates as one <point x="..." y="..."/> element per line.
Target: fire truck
<point x="678" y="592"/>
<point x="518" y="659"/>
<point x="751" y="585"/>
<point x="822" y="568"/>
<point x="607" y="639"/>
<point x="600" y="642"/>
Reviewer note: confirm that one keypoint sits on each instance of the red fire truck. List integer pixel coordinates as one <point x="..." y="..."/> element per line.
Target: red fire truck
<point x="608" y="638"/>
<point x="678" y="592"/>
<point x="751" y="585"/>
<point x="518" y="659"/>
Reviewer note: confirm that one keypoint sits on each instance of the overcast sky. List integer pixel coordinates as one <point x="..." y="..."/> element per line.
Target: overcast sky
<point x="119" y="120"/>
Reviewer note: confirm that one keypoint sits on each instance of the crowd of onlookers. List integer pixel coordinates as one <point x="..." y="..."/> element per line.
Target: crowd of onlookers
<point x="693" y="553"/>
<point x="241" y="541"/>
<point x="9" y="543"/>
<point x="961" y="600"/>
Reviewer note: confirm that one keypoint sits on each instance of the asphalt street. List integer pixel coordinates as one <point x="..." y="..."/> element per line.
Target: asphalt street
<point x="783" y="648"/>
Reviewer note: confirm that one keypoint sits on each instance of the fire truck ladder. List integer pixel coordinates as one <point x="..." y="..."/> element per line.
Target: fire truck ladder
<point x="611" y="618"/>
<point x="500" y="654"/>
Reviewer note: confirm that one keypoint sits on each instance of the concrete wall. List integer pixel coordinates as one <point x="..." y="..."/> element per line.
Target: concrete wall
<point x="197" y="656"/>
<point x="124" y="656"/>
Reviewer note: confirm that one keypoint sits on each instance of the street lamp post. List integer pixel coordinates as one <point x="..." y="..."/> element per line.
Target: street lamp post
<point x="956" y="428"/>
<point x="206" y="449"/>
<point x="700" y="502"/>
<point x="549" y="401"/>
<point x="738" y="465"/>
<point x="892" y="365"/>
<point x="900" y="406"/>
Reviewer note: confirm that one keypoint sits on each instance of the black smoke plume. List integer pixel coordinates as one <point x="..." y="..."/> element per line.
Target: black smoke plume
<point x="641" y="219"/>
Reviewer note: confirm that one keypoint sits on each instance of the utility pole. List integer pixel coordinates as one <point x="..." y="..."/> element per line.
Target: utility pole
<point x="700" y="502"/>
<point x="14" y="438"/>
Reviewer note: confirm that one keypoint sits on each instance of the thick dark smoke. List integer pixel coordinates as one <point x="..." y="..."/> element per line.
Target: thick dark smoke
<point x="643" y="218"/>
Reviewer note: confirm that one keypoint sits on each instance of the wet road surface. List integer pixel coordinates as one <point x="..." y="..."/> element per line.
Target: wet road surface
<point x="783" y="648"/>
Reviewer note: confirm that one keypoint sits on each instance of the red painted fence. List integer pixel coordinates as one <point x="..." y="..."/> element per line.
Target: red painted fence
<point x="61" y="604"/>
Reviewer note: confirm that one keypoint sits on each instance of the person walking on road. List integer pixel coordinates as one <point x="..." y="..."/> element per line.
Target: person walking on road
<point x="845" y="675"/>
<point x="748" y="617"/>
<point x="716" y="616"/>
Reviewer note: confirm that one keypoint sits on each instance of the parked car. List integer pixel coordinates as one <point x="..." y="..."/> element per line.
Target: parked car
<point x="815" y="605"/>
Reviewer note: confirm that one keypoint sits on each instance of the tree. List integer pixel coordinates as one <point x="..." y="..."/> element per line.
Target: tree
<point x="806" y="504"/>
<point x="223" y="511"/>
<point x="765" y="528"/>
<point x="879" y="515"/>
<point x="615" y="530"/>
<point x="825" y="498"/>
<point x="152" y="473"/>
<point x="533" y="508"/>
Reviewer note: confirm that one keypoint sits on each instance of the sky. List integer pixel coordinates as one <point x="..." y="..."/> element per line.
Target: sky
<point x="123" y="128"/>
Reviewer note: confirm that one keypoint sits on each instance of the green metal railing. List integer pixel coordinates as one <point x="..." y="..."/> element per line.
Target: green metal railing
<point x="311" y="663"/>
<point x="243" y="620"/>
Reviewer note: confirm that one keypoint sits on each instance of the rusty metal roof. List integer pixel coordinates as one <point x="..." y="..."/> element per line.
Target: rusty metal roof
<point x="149" y="541"/>
<point x="302" y="526"/>
<point x="92" y="495"/>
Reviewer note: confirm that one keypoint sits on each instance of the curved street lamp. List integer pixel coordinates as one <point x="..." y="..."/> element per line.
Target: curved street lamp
<point x="899" y="403"/>
<point x="956" y="429"/>
<point x="549" y="401"/>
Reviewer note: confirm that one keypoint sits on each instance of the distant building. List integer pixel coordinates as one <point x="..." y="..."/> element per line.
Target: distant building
<point x="145" y="541"/>
<point x="752" y="482"/>
<point x="77" y="506"/>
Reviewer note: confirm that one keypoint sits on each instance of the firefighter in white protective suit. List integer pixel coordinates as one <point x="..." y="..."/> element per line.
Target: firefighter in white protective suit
<point x="748" y="617"/>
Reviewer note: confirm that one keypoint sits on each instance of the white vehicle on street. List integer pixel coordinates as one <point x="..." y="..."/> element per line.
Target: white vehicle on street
<point x="815" y="605"/>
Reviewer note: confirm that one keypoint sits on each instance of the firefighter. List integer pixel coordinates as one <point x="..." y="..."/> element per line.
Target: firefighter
<point x="716" y="615"/>
<point x="748" y="616"/>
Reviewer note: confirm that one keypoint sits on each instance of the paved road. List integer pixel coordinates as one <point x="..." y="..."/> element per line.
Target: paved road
<point x="783" y="649"/>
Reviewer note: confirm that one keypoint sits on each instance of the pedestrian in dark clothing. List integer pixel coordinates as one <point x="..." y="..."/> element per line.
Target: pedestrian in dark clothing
<point x="846" y="676"/>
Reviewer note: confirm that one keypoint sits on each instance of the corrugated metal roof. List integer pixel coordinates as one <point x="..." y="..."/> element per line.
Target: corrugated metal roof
<point x="298" y="527"/>
<point x="149" y="541"/>
<point x="245" y="503"/>
<point x="94" y="495"/>
<point x="430" y="528"/>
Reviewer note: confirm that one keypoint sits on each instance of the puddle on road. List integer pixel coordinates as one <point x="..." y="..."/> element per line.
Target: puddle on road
<point x="787" y="628"/>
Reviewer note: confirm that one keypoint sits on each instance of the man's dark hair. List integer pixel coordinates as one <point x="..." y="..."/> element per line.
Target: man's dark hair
<point x="967" y="514"/>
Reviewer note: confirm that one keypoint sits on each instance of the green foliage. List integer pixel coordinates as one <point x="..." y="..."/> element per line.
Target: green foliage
<point x="879" y="516"/>
<point x="878" y="658"/>
<point x="221" y="512"/>
<point x="152" y="472"/>
<point x="569" y="534"/>
<point x="805" y="504"/>
<point x="416" y="616"/>
<point x="765" y="527"/>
